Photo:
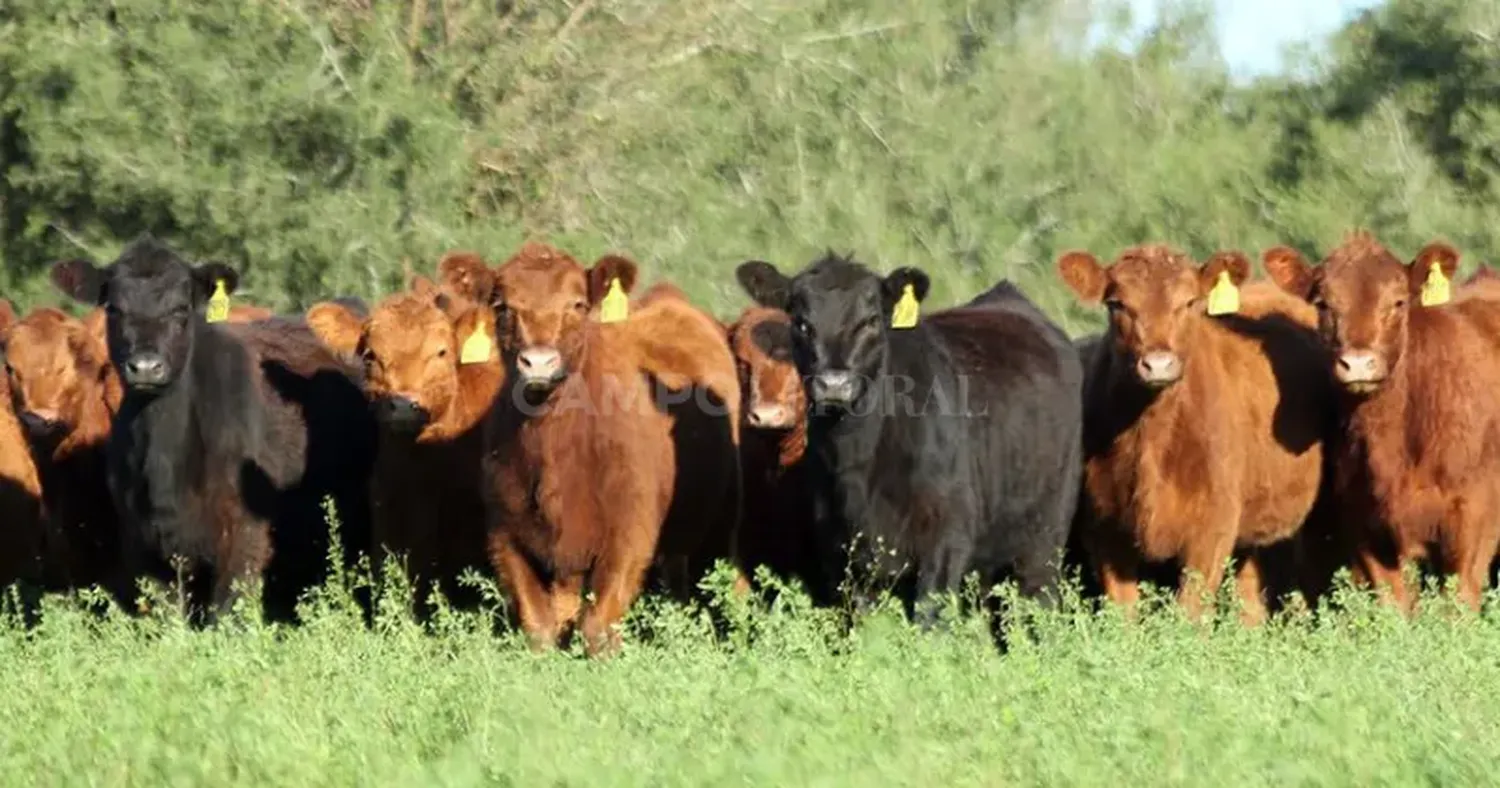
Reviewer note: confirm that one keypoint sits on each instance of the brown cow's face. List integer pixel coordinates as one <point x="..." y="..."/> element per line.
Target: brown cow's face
<point x="1364" y="296"/>
<point x="411" y="350"/>
<point x="1155" y="298"/>
<point x="54" y="363"/>
<point x="762" y="345"/>
<point x="542" y="302"/>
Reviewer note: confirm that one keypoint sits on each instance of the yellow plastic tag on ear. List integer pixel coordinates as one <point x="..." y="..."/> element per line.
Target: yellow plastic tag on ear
<point x="218" y="304"/>
<point x="1224" y="297"/>
<point x="1436" y="290"/>
<point x="905" y="313"/>
<point x="476" y="349"/>
<point x="615" y="305"/>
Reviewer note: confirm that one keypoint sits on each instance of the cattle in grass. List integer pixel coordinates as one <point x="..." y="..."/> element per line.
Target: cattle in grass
<point x="610" y="442"/>
<point x="776" y="530"/>
<point x="1418" y="469"/>
<point x="66" y="393"/>
<point x="431" y="374"/>
<point x="229" y="436"/>
<point x="22" y="535"/>
<point x="937" y="450"/>
<point x="1203" y="433"/>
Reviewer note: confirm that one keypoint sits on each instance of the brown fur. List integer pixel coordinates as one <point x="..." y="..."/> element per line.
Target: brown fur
<point x="60" y="373"/>
<point x="582" y="492"/>
<point x="1226" y="460"/>
<point x="22" y="537"/>
<point x="776" y="529"/>
<point x="425" y="494"/>
<point x="248" y="313"/>
<point x="1418" y="473"/>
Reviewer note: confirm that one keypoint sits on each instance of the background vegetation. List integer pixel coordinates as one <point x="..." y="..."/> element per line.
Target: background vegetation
<point x="327" y="145"/>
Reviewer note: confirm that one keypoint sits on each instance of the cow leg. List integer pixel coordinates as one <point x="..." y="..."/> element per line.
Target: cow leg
<point x="941" y="573"/>
<point x="1250" y="588"/>
<point x="1203" y="571"/>
<point x="1118" y="569"/>
<point x="243" y="562"/>
<point x="616" y="582"/>
<point x="1469" y="547"/>
<point x="567" y="600"/>
<point x="1384" y="573"/>
<point x="526" y="591"/>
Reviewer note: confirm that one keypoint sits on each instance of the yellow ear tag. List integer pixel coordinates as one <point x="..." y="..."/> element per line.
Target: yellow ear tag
<point x="1436" y="289"/>
<point x="1224" y="297"/>
<point x="905" y="313"/>
<point x="218" y="304"/>
<point x="476" y="349"/>
<point x="615" y="305"/>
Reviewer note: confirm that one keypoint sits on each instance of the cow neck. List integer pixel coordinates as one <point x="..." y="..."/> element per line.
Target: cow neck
<point x="1384" y="412"/>
<point x="91" y="429"/>
<point x="1133" y="407"/>
<point x="850" y="442"/>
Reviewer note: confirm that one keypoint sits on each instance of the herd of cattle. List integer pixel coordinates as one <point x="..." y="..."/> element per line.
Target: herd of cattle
<point x="540" y="421"/>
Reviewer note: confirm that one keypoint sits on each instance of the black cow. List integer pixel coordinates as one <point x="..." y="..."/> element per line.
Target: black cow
<point x="938" y="450"/>
<point x="229" y="437"/>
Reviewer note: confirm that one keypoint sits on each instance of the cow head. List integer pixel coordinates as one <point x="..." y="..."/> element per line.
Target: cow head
<point x="762" y="344"/>
<point x="153" y="301"/>
<point x="1364" y="296"/>
<point x="840" y="312"/>
<point x="411" y="346"/>
<point x="55" y="365"/>
<point x="542" y="298"/>
<point x="1155" y="296"/>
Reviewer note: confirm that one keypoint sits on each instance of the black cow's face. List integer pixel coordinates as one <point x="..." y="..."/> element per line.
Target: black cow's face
<point x="840" y="315"/>
<point x="153" y="302"/>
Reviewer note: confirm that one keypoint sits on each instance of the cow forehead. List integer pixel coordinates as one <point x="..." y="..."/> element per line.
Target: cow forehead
<point x="1152" y="268"/>
<point x="539" y="283"/>
<point x="143" y="287"/>
<point x="46" y="327"/>
<point x="1362" y="270"/>
<point x="407" y="321"/>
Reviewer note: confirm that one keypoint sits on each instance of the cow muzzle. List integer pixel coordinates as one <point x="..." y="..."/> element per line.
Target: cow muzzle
<point x="1359" y="371"/>
<point x="402" y="413"/>
<point x="1159" y="369"/>
<point x="769" y="417"/>
<point x="145" y="371"/>
<point x="540" y="367"/>
<point x="834" y="389"/>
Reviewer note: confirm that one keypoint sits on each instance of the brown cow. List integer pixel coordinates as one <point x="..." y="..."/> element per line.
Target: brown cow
<point x="430" y="399"/>
<point x="776" y="529"/>
<point x="1418" y="471"/>
<point x="1202" y="435"/>
<point x="22" y="537"/>
<point x="65" y="392"/>
<point x="588" y="469"/>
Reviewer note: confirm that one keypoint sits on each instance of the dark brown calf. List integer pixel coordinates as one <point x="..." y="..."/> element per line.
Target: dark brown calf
<point x="65" y="392"/>
<point x="584" y="462"/>
<point x="1202" y="434"/>
<point x="776" y="529"/>
<point x="1418" y="473"/>
<point x="431" y="373"/>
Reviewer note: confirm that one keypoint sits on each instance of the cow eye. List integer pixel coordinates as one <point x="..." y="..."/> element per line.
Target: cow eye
<point x="442" y="352"/>
<point x="580" y="305"/>
<point x="1401" y="303"/>
<point x="801" y="327"/>
<point x="1113" y="304"/>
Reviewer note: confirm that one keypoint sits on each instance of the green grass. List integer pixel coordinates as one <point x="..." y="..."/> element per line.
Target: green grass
<point x="1356" y="697"/>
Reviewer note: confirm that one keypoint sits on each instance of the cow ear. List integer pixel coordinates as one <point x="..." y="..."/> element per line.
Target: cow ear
<point x="7" y="317"/>
<point x="609" y="268"/>
<point x="80" y="280"/>
<point x="207" y="276"/>
<point x="466" y="274"/>
<point x="763" y="283"/>
<point x="1083" y="274"/>
<point x="1234" y="263"/>
<point x="420" y="285"/>
<point x="1289" y="270"/>
<point x="336" y="327"/>
<point x="1438" y="254"/>
<point x="894" y="284"/>
<point x="96" y="326"/>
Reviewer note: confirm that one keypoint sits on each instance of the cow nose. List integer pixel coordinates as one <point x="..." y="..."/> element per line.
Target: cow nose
<point x="146" y="369"/>
<point x="40" y="422"/>
<point x="539" y="365"/>
<point x="1358" y="366"/>
<point x="1159" y="368"/>
<point x="402" y="411"/>
<point x="768" y="417"/>
<point x="835" y="387"/>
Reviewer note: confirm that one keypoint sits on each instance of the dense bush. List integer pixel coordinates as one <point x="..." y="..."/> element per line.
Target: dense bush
<point x="327" y="145"/>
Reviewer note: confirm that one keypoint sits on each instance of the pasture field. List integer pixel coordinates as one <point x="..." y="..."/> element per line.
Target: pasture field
<point x="784" y="697"/>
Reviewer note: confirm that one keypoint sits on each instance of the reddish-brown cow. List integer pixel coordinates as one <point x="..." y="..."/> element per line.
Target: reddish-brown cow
<point x="430" y="398"/>
<point x="776" y="529"/>
<point x="587" y="467"/>
<point x="1418" y="473"/>
<point x="22" y="540"/>
<point x="1202" y="435"/>
<point x="65" y="392"/>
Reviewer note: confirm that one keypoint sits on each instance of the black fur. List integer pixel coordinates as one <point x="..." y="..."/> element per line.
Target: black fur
<point x="961" y="450"/>
<point x="223" y="458"/>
